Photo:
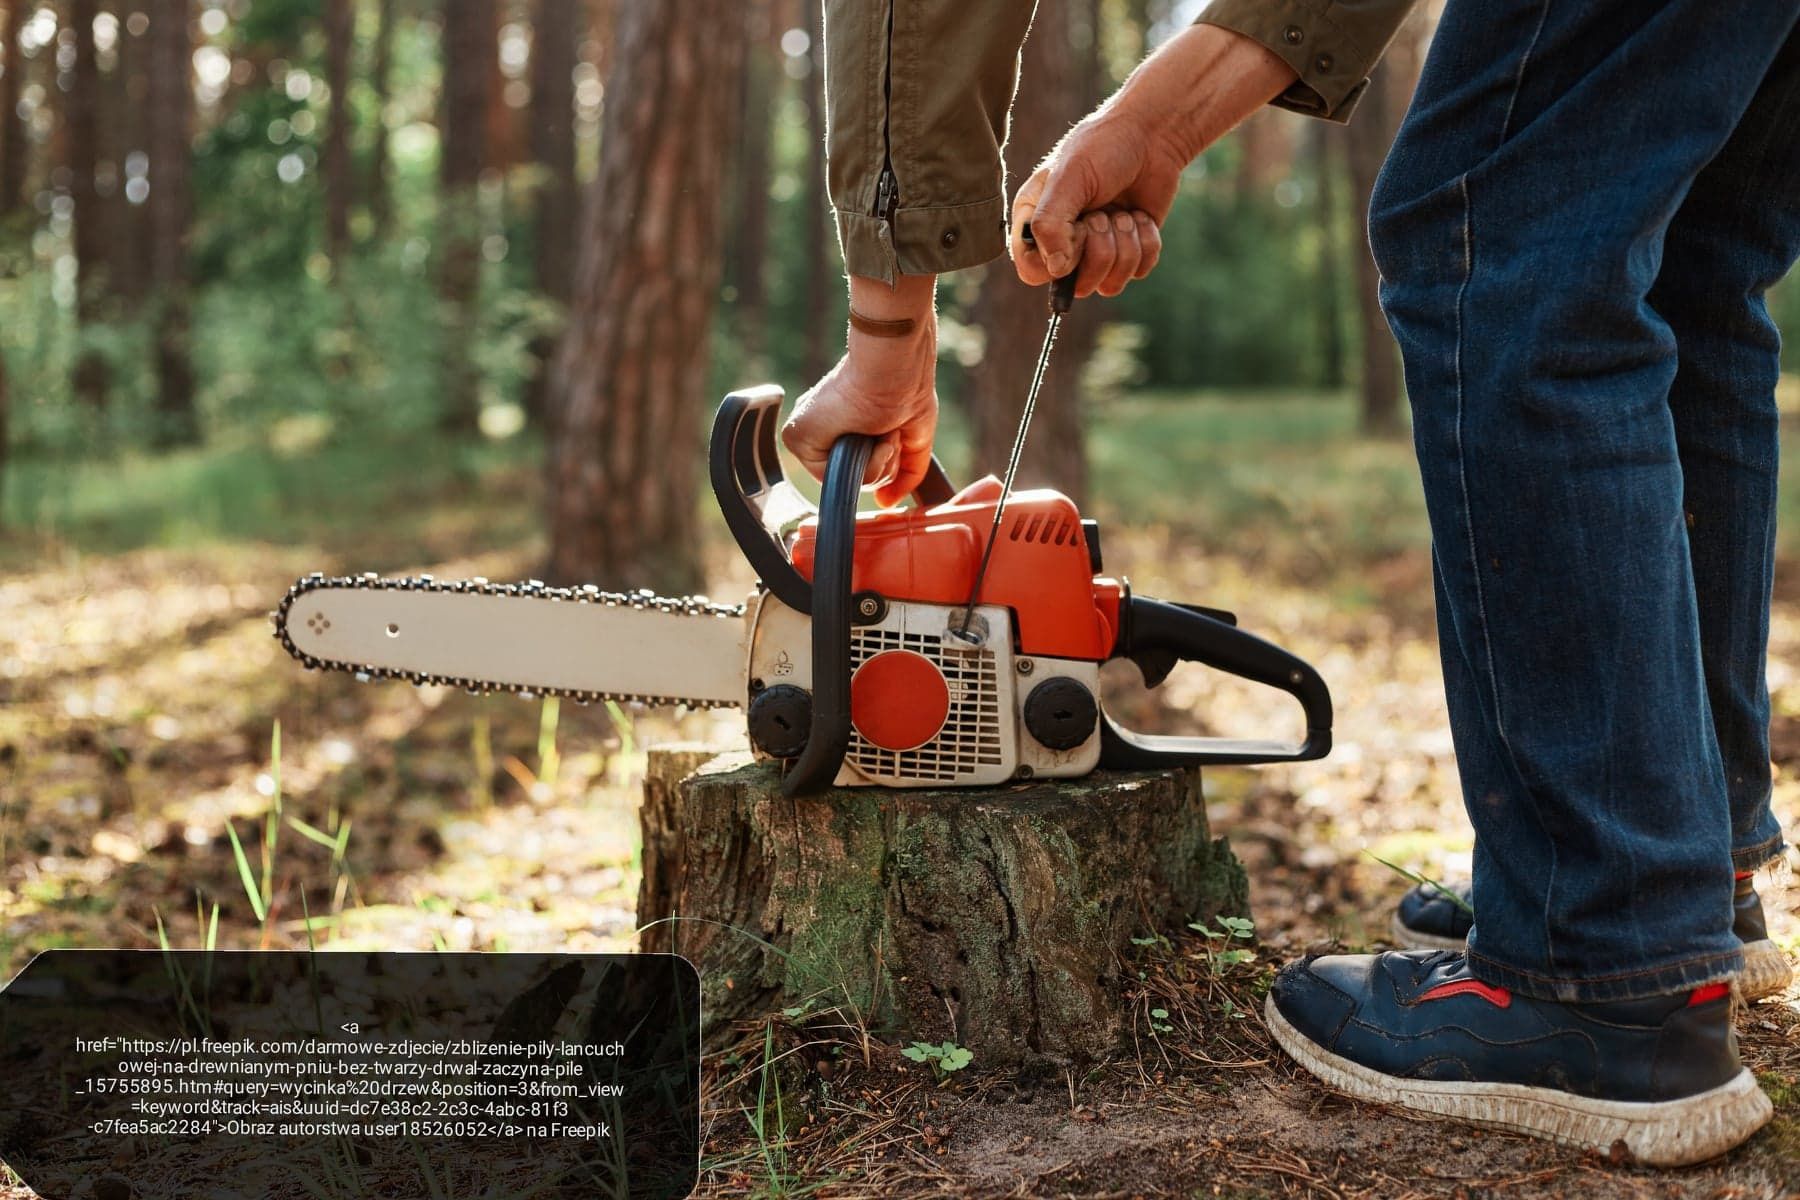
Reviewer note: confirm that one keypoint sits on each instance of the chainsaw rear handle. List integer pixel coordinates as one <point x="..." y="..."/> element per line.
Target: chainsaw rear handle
<point x="1155" y="633"/>
<point x="761" y="507"/>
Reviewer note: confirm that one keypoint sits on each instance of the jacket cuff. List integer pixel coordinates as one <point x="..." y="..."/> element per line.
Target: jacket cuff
<point x="1332" y="64"/>
<point x="922" y="241"/>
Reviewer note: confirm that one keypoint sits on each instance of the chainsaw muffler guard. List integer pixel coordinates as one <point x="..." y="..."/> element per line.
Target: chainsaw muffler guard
<point x="761" y="507"/>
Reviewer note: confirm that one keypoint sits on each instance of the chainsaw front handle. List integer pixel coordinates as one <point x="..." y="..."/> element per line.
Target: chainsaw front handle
<point x="833" y="557"/>
<point x="760" y="506"/>
<point x="1157" y="634"/>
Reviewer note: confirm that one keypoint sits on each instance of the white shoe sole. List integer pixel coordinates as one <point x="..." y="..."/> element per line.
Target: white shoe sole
<point x="1667" y="1133"/>
<point x="1766" y="969"/>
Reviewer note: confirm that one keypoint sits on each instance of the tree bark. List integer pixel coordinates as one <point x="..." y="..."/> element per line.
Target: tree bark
<point x="125" y="127"/>
<point x="81" y="108"/>
<point x="12" y="129"/>
<point x="556" y="34"/>
<point x="5" y="436"/>
<point x="632" y="369"/>
<point x="171" y="103"/>
<point x="1366" y="142"/>
<point x="339" y="28"/>
<point x="468" y="45"/>
<point x="381" y="200"/>
<point x="505" y="146"/>
<point x="1053" y="94"/>
<point x="1000" y="920"/>
<point x="820" y="233"/>
<point x="1331" y="255"/>
<point x="747" y="232"/>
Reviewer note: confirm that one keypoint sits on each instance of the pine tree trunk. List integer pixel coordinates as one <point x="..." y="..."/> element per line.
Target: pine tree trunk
<point x="339" y="28"/>
<point x="381" y="200"/>
<point x="1053" y="95"/>
<point x="125" y="128"/>
<point x="171" y="103"/>
<point x="747" y="231"/>
<point x="12" y="129"/>
<point x="1367" y="139"/>
<point x="505" y="145"/>
<point x="82" y="110"/>
<point x="1379" y="386"/>
<point x="556" y="34"/>
<point x="629" y="383"/>
<point x="5" y="434"/>
<point x="999" y="919"/>
<point x="820" y="234"/>
<point x="1331" y="254"/>
<point x="468" y="45"/>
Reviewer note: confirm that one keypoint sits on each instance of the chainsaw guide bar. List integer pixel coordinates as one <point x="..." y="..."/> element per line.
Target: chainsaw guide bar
<point x="721" y="627"/>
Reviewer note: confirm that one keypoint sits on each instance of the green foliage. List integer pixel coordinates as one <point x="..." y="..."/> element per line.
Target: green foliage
<point x="943" y="1058"/>
<point x="1238" y="299"/>
<point x="1230" y="929"/>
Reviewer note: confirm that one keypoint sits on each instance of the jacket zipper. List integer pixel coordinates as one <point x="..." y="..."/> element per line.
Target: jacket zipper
<point x="887" y="186"/>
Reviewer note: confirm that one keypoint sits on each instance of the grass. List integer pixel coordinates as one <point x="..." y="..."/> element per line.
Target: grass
<point x="1279" y="480"/>
<point x="244" y="489"/>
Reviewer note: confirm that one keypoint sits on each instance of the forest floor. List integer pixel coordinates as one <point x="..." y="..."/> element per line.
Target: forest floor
<point x="140" y="691"/>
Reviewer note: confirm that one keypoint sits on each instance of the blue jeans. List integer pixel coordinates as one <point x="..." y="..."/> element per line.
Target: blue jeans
<point x="1575" y="229"/>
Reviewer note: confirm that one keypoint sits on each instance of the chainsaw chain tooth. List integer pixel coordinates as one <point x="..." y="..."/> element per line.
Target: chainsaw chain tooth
<point x="688" y="606"/>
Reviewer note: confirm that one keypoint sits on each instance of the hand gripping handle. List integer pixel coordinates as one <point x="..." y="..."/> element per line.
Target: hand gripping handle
<point x="759" y="504"/>
<point x="1156" y="631"/>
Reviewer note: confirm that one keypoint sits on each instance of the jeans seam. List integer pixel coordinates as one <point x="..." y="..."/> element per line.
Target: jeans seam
<point x="1462" y="475"/>
<point x="1519" y="79"/>
<point x="1612" y="977"/>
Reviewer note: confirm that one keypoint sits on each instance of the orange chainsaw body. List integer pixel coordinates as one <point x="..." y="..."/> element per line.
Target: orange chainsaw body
<point x="1041" y="569"/>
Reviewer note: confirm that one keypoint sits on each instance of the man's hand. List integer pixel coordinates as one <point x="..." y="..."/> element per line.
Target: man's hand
<point x="1100" y="195"/>
<point x="883" y="386"/>
<point x="1113" y="187"/>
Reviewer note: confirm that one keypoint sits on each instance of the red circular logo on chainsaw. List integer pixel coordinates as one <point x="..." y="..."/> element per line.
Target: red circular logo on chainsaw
<point x="898" y="700"/>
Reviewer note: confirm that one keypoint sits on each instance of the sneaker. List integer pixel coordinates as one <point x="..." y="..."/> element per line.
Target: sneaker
<point x="1659" y="1077"/>
<point x="1435" y="917"/>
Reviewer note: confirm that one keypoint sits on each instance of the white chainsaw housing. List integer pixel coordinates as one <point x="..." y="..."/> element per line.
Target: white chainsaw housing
<point x="983" y="739"/>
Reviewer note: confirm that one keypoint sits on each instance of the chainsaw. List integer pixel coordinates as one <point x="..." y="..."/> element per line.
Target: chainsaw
<point x="954" y="643"/>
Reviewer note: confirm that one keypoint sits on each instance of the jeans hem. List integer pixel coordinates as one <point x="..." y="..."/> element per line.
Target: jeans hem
<point x="1761" y="855"/>
<point x="1659" y="980"/>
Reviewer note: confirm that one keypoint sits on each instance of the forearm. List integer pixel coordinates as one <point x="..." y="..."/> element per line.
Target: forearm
<point x="1197" y="86"/>
<point x="908" y="296"/>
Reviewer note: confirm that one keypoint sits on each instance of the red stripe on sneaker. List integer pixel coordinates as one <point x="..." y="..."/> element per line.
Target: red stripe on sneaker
<point x="1709" y="993"/>
<point x="1499" y="997"/>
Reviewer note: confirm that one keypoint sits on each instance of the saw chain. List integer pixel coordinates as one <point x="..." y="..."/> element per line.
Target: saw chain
<point x="699" y="607"/>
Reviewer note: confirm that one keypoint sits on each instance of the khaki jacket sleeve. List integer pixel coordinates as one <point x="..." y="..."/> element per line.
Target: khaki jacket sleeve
<point x="917" y="93"/>
<point x="1332" y="44"/>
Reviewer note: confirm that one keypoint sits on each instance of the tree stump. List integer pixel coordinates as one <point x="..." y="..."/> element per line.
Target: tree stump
<point x="1000" y="918"/>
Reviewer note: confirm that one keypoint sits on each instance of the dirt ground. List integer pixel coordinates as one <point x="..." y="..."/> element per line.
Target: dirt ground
<point x="139" y="693"/>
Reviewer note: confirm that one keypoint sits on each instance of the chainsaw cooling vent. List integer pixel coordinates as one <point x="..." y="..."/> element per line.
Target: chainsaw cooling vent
<point x="970" y="737"/>
<point x="1048" y="529"/>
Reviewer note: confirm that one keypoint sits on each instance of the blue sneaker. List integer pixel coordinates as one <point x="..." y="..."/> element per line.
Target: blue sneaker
<point x="1439" y="917"/>
<point x="1658" y="1077"/>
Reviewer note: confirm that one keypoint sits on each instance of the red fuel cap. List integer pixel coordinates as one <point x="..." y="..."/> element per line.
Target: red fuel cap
<point x="898" y="700"/>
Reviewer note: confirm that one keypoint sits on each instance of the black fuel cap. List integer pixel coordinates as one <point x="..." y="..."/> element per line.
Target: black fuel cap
<point x="780" y="719"/>
<point x="1060" y="713"/>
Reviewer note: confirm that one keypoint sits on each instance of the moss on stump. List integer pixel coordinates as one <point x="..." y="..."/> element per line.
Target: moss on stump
<point x="998" y="918"/>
